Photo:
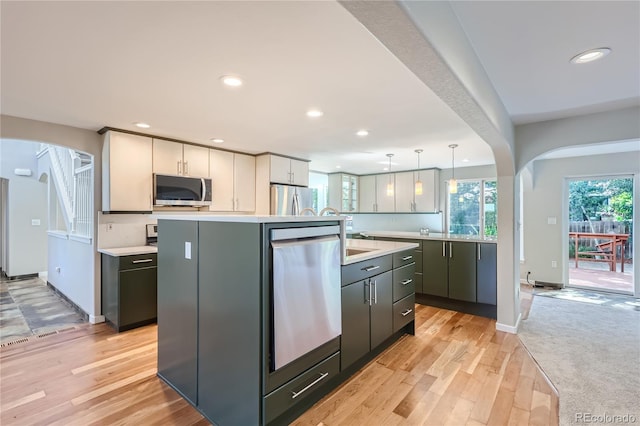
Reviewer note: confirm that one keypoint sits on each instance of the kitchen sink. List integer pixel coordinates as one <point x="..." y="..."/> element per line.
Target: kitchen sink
<point x="354" y="251"/>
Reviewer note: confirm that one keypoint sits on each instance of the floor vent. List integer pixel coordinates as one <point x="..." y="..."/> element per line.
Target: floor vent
<point x="14" y="342"/>
<point x="51" y="333"/>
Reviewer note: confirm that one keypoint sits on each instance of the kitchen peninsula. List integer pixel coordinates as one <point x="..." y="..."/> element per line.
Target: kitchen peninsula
<point x="260" y="316"/>
<point x="457" y="272"/>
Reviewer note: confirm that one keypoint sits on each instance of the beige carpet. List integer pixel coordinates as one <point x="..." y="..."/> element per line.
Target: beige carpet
<point x="591" y="353"/>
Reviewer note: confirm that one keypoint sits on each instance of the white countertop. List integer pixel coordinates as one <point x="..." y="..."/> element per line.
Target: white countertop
<point x="128" y="251"/>
<point x="245" y="218"/>
<point x="432" y="236"/>
<point x="377" y="249"/>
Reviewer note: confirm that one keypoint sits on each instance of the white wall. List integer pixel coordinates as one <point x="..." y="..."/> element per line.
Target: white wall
<point x="546" y="195"/>
<point x="26" y="202"/>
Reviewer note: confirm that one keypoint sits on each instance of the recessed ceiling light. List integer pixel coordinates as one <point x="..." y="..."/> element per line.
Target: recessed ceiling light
<point x="385" y="168"/>
<point x="362" y="132"/>
<point x="590" y="55"/>
<point x="466" y="160"/>
<point x="314" y="113"/>
<point x="142" y="125"/>
<point x="231" y="80"/>
<point x="337" y="167"/>
<point x="217" y="140"/>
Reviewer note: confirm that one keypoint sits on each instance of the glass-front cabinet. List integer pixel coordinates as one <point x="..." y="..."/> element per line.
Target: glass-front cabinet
<point x="343" y="192"/>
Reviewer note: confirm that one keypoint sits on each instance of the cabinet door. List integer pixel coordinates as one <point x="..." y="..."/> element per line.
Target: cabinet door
<point x="138" y="296"/>
<point x="299" y="173"/>
<point x="126" y="188"/>
<point x="428" y="201"/>
<point x="487" y="273"/>
<point x="244" y="178"/>
<point x="404" y="190"/>
<point x="381" y="308"/>
<point x="435" y="273"/>
<point x="367" y="201"/>
<point x="354" y="342"/>
<point x="385" y="202"/>
<point x="221" y="172"/>
<point x="462" y="271"/>
<point x="195" y="161"/>
<point x="280" y="169"/>
<point x="167" y="157"/>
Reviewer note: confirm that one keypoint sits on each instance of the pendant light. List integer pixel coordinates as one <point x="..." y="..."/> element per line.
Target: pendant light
<point x="390" y="184"/>
<point x="418" y="183"/>
<point x="453" y="184"/>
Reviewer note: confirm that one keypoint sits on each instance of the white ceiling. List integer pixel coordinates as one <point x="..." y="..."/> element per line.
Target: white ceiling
<point x="96" y="64"/>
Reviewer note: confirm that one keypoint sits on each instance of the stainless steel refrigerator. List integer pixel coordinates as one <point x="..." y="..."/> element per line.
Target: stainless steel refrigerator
<point x="289" y="200"/>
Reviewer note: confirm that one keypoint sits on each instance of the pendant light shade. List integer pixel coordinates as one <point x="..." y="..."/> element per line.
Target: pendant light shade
<point x="453" y="184"/>
<point x="418" y="183"/>
<point x="390" y="184"/>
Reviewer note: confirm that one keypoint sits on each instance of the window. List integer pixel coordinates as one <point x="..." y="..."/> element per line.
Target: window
<point x="473" y="209"/>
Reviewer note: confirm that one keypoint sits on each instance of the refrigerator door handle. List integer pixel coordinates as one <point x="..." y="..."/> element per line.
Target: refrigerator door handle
<point x="296" y="205"/>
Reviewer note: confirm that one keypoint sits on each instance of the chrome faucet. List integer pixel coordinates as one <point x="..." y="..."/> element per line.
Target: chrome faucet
<point x="307" y="209"/>
<point x="329" y="209"/>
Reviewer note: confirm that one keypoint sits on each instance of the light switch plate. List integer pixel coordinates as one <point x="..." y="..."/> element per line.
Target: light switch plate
<point x="35" y="222"/>
<point x="551" y="220"/>
<point x="187" y="250"/>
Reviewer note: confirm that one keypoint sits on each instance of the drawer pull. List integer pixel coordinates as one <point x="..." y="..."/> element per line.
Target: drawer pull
<point x="371" y="268"/>
<point x="404" y="259"/>
<point x="407" y="281"/>
<point x="407" y="312"/>
<point x="294" y="394"/>
<point x="142" y="261"/>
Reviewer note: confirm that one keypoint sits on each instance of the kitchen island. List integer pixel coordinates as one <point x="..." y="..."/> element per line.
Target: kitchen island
<point x="457" y="272"/>
<point x="253" y="324"/>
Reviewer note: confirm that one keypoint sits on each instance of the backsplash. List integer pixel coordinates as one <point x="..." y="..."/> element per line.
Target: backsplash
<point x="410" y="222"/>
<point x="122" y="230"/>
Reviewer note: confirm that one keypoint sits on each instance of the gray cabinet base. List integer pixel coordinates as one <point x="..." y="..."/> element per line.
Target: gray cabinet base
<point x="480" y="309"/>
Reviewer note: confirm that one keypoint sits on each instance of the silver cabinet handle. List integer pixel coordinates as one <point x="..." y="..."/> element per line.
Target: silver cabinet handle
<point x="407" y="281"/>
<point x="450" y="250"/>
<point x="367" y="284"/>
<point x="444" y="254"/>
<point x="179" y="167"/>
<point x="407" y="258"/>
<point x="479" y="252"/>
<point x="370" y="268"/>
<point x="186" y="168"/>
<point x="407" y="312"/>
<point x="375" y="292"/>
<point x="293" y="177"/>
<point x="142" y="261"/>
<point x="203" y="189"/>
<point x="294" y="394"/>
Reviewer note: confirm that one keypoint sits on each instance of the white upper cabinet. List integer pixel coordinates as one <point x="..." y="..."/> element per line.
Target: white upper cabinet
<point x="127" y="178"/>
<point x="233" y="180"/>
<point x="367" y="195"/>
<point x="405" y="192"/>
<point x="288" y="171"/>
<point x="175" y="158"/>
<point x="385" y="202"/>
<point x="343" y="192"/>
<point x="429" y="201"/>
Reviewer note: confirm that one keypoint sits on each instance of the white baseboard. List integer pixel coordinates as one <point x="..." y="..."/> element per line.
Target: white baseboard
<point x="509" y="328"/>
<point x="95" y="319"/>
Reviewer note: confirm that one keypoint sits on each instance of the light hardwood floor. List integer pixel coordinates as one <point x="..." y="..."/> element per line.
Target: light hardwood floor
<point x="457" y="370"/>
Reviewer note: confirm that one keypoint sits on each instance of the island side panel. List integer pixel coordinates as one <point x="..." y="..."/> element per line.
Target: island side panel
<point x="178" y="305"/>
<point x="229" y="349"/>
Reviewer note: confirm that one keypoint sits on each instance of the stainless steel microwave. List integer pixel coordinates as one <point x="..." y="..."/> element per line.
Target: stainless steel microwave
<point x="172" y="190"/>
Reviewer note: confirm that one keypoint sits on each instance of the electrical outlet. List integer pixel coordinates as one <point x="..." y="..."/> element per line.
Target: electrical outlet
<point x="554" y="264"/>
<point x="58" y="269"/>
<point x="109" y="226"/>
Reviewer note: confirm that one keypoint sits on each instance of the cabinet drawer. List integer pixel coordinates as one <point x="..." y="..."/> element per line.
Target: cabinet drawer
<point x="138" y="261"/>
<point x="403" y="312"/>
<point x="299" y="388"/>
<point x="365" y="269"/>
<point x="403" y="258"/>
<point x="403" y="282"/>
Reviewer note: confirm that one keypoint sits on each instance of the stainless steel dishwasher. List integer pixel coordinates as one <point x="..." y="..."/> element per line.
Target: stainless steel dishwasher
<point x="306" y="291"/>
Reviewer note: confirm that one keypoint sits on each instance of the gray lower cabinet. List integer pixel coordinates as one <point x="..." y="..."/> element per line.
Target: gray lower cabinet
<point x="487" y="273"/>
<point x="178" y="306"/>
<point x="435" y="268"/>
<point x="462" y="271"/>
<point x="129" y="290"/>
<point x="366" y="316"/>
<point x="416" y="257"/>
